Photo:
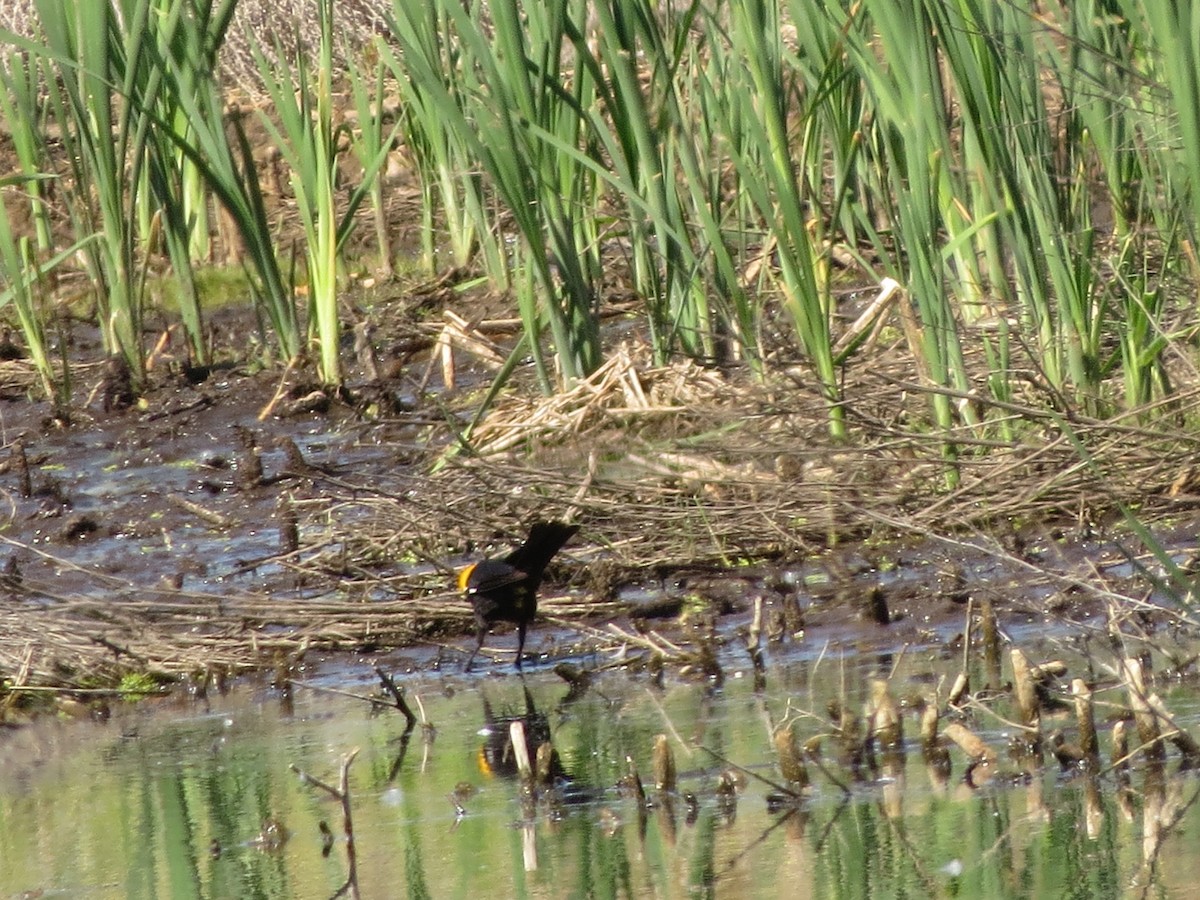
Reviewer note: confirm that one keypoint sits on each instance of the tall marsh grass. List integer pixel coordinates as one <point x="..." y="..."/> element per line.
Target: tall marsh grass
<point x="1028" y="172"/>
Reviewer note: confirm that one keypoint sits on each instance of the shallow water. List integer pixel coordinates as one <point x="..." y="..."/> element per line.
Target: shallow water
<point x="167" y="800"/>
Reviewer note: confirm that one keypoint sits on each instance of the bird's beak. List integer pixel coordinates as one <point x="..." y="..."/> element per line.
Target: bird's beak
<point x="465" y="575"/>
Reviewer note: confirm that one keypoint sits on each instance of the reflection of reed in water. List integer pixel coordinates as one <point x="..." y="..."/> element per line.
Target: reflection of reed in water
<point x="497" y="756"/>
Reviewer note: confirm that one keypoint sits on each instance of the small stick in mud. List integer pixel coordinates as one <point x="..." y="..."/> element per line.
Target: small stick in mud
<point x="633" y="782"/>
<point x="707" y="660"/>
<point x="280" y="391"/>
<point x="289" y="527"/>
<point x="1120" y="766"/>
<point x="19" y="463"/>
<point x="958" y="690"/>
<point x="545" y="762"/>
<point x="962" y="683"/>
<point x="249" y="460"/>
<point x="203" y="513"/>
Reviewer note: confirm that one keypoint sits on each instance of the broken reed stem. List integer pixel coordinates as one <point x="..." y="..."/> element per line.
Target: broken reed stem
<point x="1184" y="742"/>
<point x="754" y="646"/>
<point x="1120" y="750"/>
<point x="935" y="752"/>
<point x="970" y="743"/>
<point x="929" y="724"/>
<point x="1025" y="689"/>
<point x="1144" y="716"/>
<point x="791" y="760"/>
<point x="958" y="690"/>
<point x="991" y="642"/>
<point x="1086" y="717"/>
<point x="851" y="745"/>
<point x="544" y="764"/>
<point x="289" y="526"/>
<point x="664" y="765"/>
<point x="516" y="733"/>
<point x="884" y="723"/>
<point x="634" y="781"/>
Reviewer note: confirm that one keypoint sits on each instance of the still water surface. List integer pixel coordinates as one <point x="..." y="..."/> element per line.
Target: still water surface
<point x="168" y="802"/>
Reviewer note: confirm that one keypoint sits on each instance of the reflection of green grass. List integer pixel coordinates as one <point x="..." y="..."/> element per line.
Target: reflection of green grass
<point x="140" y="809"/>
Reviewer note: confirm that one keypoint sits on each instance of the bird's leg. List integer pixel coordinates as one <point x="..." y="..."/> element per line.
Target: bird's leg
<point x="520" y="642"/>
<point x="478" y="646"/>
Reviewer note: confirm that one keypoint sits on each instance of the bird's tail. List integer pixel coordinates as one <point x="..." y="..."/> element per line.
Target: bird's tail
<point x="545" y="539"/>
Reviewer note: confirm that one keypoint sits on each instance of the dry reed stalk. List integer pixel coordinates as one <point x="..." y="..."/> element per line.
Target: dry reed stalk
<point x="633" y="780"/>
<point x="1086" y="717"/>
<point x="929" y="724"/>
<point x="871" y="318"/>
<point x="991" y="641"/>
<point x="664" y="765"/>
<point x="791" y="760"/>
<point x="1184" y="742"/>
<point x="1120" y="766"/>
<point x="975" y="747"/>
<point x="1144" y="716"/>
<point x="937" y="756"/>
<point x="1025" y="689"/>
<point x="544" y="764"/>
<point x="851" y="746"/>
<point x="516" y="732"/>
<point x="958" y="690"/>
<point x="884" y="723"/>
<point x="754" y="645"/>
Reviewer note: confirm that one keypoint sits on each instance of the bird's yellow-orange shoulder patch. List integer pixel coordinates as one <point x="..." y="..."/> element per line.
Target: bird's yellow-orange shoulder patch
<point x="465" y="575"/>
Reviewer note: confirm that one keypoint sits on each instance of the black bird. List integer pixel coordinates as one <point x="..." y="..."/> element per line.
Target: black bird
<point x="505" y="590"/>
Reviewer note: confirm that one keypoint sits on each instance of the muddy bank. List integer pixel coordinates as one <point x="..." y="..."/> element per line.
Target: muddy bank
<point x="251" y="518"/>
